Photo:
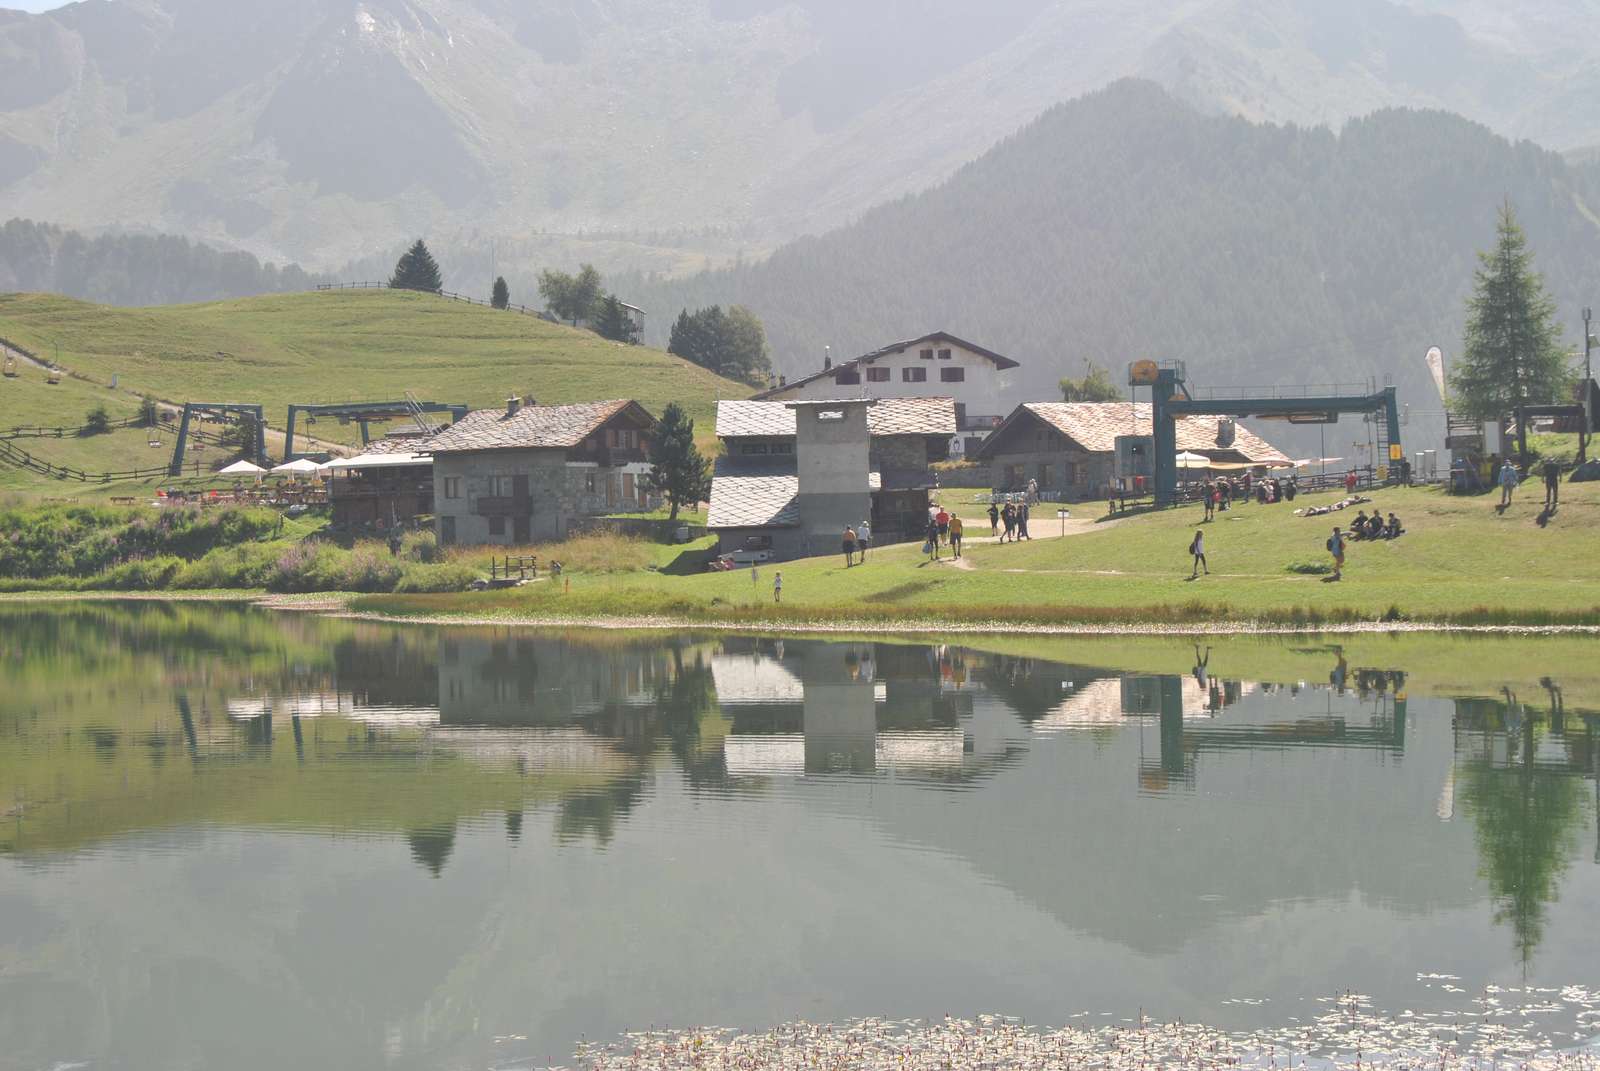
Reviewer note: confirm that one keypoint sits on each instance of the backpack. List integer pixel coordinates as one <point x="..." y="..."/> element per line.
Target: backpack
<point x="1330" y="545"/>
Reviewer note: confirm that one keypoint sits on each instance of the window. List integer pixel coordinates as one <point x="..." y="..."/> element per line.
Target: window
<point x="847" y="377"/>
<point x="877" y="375"/>
<point x="914" y="375"/>
<point x="753" y="449"/>
<point x="944" y="355"/>
<point x="627" y="487"/>
<point x="952" y="375"/>
<point x="783" y="448"/>
<point x="589" y="484"/>
<point x="627" y="439"/>
<point x="499" y="486"/>
<point x="497" y="525"/>
<point x="926" y="355"/>
<point x="1044" y="476"/>
<point x="452" y="487"/>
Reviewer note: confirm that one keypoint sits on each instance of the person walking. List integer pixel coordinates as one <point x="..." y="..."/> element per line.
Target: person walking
<point x="1022" y="523"/>
<point x="1197" y="551"/>
<point x="863" y="537"/>
<point x="1508" y="482"/>
<point x="849" y="546"/>
<point x="1033" y="491"/>
<point x="932" y="543"/>
<point x="1350" y="482"/>
<point x="942" y="519"/>
<point x="777" y="587"/>
<point x="1336" y="548"/>
<point x="994" y="520"/>
<point x="1205" y="495"/>
<point x="1010" y="519"/>
<point x="955" y="535"/>
<point x="1552" y="484"/>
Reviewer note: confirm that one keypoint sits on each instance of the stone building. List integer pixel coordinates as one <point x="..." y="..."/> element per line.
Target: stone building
<point x="936" y="365"/>
<point x="795" y="474"/>
<point x="1068" y="447"/>
<point x="523" y="474"/>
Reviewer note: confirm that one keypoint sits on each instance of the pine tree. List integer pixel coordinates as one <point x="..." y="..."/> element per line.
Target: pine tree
<point x="417" y="270"/>
<point x="501" y="296"/>
<point x="612" y="320"/>
<point x="1511" y="353"/>
<point x="677" y="468"/>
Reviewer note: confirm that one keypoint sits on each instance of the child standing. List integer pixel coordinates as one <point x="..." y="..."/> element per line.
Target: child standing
<point x="777" y="587"/>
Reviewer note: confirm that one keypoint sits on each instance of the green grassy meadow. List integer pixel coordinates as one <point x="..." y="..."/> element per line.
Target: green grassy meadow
<point x="1459" y="562"/>
<point x="322" y="347"/>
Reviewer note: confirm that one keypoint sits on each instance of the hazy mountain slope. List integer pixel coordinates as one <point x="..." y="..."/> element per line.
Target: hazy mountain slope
<point x="320" y="130"/>
<point x="1126" y="225"/>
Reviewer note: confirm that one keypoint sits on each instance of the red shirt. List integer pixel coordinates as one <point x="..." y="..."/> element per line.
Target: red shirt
<point x="941" y="517"/>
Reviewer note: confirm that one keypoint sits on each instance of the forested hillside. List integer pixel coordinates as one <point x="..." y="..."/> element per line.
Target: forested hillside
<point x="1125" y="225"/>
<point x="133" y="269"/>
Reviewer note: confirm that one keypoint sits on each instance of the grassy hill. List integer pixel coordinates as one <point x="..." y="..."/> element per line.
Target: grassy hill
<point x="1460" y="561"/>
<point x="317" y="347"/>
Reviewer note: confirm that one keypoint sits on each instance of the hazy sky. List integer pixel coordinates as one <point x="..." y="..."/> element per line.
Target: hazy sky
<point x="31" y="5"/>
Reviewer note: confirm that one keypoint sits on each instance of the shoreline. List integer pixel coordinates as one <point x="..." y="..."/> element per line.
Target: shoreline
<point x="338" y="604"/>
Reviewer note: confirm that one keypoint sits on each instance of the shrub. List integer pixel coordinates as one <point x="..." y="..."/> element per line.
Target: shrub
<point x="420" y="546"/>
<point x="97" y="422"/>
<point x="1309" y="568"/>
<point x="416" y="578"/>
<point x="145" y="574"/>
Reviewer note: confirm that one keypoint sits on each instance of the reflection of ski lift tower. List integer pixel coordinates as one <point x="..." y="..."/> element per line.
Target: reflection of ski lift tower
<point x="1170" y="399"/>
<point x="220" y="413"/>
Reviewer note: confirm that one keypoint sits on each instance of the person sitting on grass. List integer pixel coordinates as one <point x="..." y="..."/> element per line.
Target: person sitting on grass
<point x="1375" y="525"/>
<point x="1392" y="530"/>
<point x="1358" y="527"/>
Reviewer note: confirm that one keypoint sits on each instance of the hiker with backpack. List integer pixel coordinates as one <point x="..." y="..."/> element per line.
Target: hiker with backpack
<point x="1336" y="548"/>
<point x="1197" y="551"/>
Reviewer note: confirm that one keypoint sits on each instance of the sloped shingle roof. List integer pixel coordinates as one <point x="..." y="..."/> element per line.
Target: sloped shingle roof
<point x="761" y="501"/>
<point x="889" y="416"/>
<point x="554" y="427"/>
<point x="1001" y="363"/>
<point x="1096" y="425"/>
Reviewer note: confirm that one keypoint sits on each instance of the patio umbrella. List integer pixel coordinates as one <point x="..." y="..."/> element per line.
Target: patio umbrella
<point x="241" y="468"/>
<point x="1186" y="460"/>
<point x="300" y="466"/>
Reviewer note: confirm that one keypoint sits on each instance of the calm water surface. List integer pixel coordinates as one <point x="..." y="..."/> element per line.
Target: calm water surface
<point x="236" y="839"/>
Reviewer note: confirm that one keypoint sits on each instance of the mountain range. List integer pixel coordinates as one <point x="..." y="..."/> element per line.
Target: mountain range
<point x="1125" y="225"/>
<point x="320" y="131"/>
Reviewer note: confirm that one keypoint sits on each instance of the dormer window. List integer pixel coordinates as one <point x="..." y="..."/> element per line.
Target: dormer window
<point x="926" y="355"/>
<point x="944" y="355"/>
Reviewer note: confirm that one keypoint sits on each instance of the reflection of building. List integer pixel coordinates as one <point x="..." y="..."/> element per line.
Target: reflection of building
<point x="517" y="677"/>
<point x="818" y="708"/>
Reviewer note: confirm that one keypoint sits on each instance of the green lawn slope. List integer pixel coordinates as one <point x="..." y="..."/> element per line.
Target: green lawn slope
<point x="1460" y="562"/>
<point x="327" y="347"/>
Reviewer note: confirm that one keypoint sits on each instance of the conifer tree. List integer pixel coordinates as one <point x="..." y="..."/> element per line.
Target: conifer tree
<point x="1511" y="353"/>
<point x="417" y="270"/>
<point x="612" y="320"/>
<point x="677" y="468"/>
<point x="501" y="297"/>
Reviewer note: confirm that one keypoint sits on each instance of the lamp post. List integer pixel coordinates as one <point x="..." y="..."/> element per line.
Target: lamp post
<point x="1588" y="374"/>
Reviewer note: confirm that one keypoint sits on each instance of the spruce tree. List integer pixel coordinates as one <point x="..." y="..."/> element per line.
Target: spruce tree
<point x="612" y="320"/>
<point x="1511" y="353"/>
<point x="417" y="270"/>
<point x="501" y="297"/>
<point x="677" y="468"/>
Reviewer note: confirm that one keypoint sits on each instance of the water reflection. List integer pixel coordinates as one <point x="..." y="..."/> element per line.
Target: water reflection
<point x="1136" y="834"/>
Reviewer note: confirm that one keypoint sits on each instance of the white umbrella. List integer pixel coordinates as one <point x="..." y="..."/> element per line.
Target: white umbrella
<point x="1186" y="460"/>
<point x="299" y="466"/>
<point x="240" y="468"/>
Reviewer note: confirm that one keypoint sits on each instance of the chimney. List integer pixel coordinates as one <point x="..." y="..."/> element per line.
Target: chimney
<point x="827" y="358"/>
<point x="513" y="404"/>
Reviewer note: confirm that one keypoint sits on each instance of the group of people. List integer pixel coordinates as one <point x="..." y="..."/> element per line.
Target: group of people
<point x="1015" y="519"/>
<point x="1220" y="493"/>
<point x="855" y="543"/>
<point x="1508" y="479"/>
<point x="944" y="529"/>
<point x="1375" y="527"/>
